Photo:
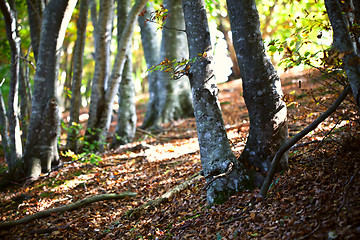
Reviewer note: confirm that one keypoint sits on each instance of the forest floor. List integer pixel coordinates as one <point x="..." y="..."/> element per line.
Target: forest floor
<point x="317" y="198"/>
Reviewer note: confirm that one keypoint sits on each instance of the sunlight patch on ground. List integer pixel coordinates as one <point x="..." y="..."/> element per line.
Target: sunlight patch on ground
<point x="74" y="182"/>
<point x="172" y="150"/>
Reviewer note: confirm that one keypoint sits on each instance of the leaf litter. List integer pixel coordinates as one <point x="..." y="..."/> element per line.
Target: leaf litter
<point x="317" y="198"/>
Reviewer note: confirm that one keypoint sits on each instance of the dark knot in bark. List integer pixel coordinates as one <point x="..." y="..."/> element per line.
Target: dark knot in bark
<point x="229" y="170"/>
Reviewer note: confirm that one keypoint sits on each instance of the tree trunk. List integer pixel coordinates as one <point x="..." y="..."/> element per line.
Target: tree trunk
<point x="151" y="46"/>
<point x="261" y="86"/>
<point x="77" y="76"/>
<point x="102" y="61"/>
<point x="174" y="96"/>
<point x="224" y="174"/>
<point x="343" y="43"/>
<point x="13" y="118"/>
<point x="41" y="146"/>
<point x="126" y="116"/>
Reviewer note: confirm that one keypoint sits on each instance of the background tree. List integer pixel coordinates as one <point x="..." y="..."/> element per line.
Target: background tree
<point x="174" y="97"/>
<point x="41" y="146"/>
<point x="151" y="46"/>
<point x="72" y="138"/>
<point x="261" y="88"/>
<point x="126" y="115"/>
<point x="101" y="120"/>
<point x="102" y="39"/>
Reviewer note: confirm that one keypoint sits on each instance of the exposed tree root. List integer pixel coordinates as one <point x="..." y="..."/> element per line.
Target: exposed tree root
<point x="165" y="197"/>
<point x="291" y="142"/>
<point x="69" y="207"/>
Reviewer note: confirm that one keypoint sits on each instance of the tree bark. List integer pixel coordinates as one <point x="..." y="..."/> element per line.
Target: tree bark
<point x="343" y="43"/>
<point x="224" y="174"/>
<point x="13" y="118"/>
<point x="126" y="116"/>
<point x="41" y="146"/>
<point x="261" y="86"/>
<point x="72" y="138"/>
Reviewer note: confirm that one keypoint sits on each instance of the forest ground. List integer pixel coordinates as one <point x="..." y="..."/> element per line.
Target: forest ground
<point x="317" y="198"/>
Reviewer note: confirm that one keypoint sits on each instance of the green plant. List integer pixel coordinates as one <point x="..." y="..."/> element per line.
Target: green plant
<point x="89" y="148"/>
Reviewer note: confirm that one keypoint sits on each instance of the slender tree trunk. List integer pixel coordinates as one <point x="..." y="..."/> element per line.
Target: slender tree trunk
<point x="224" y="174"/>
<point x="344" y="44"/>
<point x="24" y="101"/>
<point x="77" y="76"/>
<point x="41" y="146"/>
<point x="126" y="116"/>
<point x="261" y="86"/>
<point x="102" y="61"/>
<point x="151" y="46"/>
<point x="13" y="118"/>
<point x="35" y="17"/>
<point x="3" y="131"/>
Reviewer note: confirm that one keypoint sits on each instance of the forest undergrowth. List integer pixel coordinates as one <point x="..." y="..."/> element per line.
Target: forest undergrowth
<point x="317" y="198"/>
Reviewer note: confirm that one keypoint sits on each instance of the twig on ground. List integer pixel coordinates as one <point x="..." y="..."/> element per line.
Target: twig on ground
<point x="69" y="207"/>
<point x="233" y="220"/>
<point x="149" y="133"/>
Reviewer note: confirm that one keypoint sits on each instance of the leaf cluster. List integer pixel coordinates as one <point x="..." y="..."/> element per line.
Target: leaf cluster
<point x="178" y="68"/>
<point x="157" y="16"/>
